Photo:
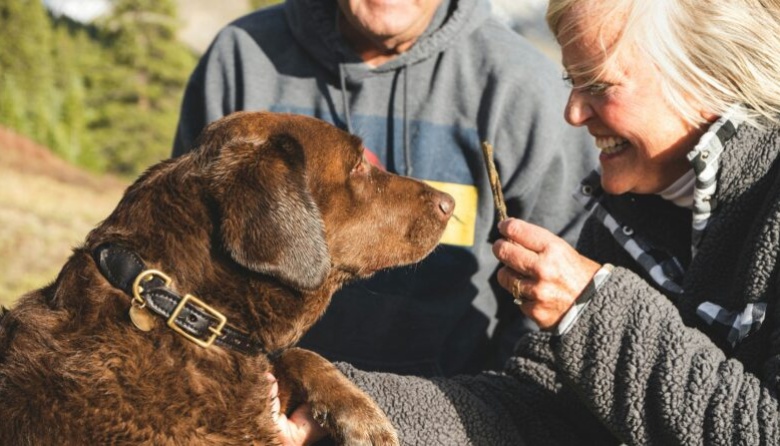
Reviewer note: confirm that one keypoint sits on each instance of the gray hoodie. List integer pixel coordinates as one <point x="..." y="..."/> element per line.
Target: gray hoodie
<point x="467" y="79"/>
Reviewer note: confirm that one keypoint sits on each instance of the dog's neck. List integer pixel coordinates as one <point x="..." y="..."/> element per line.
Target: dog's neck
<point x="153" y="297"/>
<point x="184" y="243"/>
<point x="272" y="315"/>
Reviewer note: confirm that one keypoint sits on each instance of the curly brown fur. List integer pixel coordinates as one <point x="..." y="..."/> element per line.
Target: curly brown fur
<point x="264" y="222"/>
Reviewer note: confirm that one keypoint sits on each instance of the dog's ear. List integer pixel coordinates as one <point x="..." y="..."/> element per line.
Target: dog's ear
<point x="269" y="221"/>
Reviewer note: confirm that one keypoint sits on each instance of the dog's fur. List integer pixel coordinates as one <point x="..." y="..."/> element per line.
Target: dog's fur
<point x="264" y="221"/>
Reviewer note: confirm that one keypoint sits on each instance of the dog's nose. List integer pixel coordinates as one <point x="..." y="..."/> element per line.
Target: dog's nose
<point x="446" y="206"/>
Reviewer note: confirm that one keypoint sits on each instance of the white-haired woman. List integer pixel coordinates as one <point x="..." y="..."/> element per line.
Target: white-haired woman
<point x="663" y="327"/>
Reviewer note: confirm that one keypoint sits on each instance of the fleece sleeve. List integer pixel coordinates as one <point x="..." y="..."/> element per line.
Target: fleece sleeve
<point x="525" y="405"/>
<point x="653" y="380"/>
<point x="439" y="411"/>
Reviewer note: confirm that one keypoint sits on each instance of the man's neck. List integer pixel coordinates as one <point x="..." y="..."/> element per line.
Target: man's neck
<point x="374" y="50"/>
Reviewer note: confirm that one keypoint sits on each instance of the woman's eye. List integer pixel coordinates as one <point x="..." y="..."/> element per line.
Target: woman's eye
<point x="597" y="88"/>
<point x="592" y="88"/>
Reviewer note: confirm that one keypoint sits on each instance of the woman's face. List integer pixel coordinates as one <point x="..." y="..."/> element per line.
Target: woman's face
<point x="643" y="141"/>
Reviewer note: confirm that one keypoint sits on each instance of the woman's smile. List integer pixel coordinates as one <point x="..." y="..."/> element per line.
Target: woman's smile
<point x="611" y="146"/>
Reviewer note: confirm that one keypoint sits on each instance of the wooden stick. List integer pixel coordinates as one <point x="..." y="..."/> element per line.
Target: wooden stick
<point x="495" y="182"/>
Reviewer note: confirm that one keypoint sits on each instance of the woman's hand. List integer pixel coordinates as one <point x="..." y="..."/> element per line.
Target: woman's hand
<point x="298" y="430"/>
<point x="541" y="270"/>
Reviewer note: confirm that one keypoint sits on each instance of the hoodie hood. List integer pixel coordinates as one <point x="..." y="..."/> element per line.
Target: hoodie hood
<point x="313" y="24"/>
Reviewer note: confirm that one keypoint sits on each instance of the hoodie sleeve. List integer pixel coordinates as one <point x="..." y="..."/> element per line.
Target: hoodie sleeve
<point x="525" y="405"/>
<point x="211" y="91"/>
<point x="192" y="117"/>
<point x="653" y="380"/>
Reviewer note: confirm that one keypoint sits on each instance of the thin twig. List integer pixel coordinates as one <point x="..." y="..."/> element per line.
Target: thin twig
<point x="495" y="182"/>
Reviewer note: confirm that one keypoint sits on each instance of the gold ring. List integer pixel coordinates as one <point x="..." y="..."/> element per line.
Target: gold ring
<point x="516" y="292"/>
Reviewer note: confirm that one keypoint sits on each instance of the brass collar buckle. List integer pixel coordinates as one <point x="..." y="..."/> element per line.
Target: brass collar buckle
<point x="143" y="297"/>
<point x="152" y="295"/>
<point x="215" y="331"/>
<point x="143" y="278"/>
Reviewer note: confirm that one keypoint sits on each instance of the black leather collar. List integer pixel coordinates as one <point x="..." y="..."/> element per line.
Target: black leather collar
<point x="188" y="315"/>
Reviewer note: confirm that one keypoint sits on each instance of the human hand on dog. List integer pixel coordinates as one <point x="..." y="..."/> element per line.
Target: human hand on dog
<point x="299" y="429"/>
<point x="542" y="271"/>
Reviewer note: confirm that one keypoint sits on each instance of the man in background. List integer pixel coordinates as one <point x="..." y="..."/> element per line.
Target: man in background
<point x="423" y="82"/>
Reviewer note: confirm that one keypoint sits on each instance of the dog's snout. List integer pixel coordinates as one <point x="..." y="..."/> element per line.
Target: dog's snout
<point x="446" y="205"/>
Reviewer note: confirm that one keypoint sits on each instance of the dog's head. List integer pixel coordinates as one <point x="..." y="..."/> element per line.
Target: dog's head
<point x="297" y="200"/>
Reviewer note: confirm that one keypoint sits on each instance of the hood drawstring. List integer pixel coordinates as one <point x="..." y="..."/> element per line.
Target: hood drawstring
<point x="408" y="169"/>
<point x="407" y="136"/>
<point x="344" y="104"/>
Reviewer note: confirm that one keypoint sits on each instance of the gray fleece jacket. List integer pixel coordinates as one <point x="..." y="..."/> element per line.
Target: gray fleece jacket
<point x="424" y="114"/>
<point x="647" y="361"/>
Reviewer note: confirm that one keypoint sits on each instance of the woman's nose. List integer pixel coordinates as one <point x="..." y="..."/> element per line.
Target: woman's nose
<point x="578" y="110"/>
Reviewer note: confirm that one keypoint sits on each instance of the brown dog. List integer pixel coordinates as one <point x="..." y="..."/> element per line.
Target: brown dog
<point x="160" y="328"/>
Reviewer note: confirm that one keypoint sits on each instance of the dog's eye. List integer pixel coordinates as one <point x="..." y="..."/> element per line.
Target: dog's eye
<point x="362" y="167"/>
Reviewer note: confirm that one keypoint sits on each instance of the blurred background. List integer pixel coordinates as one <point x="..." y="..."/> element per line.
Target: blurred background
<point x="89" y="97"/>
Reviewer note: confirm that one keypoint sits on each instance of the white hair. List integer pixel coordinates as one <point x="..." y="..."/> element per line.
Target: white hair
<point x="711" y="54"/>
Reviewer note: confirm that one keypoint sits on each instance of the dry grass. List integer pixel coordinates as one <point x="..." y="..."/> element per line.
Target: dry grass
<point x="46" y="209"/>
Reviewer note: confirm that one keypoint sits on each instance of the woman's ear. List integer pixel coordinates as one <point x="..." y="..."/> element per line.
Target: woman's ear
<point x="268" y="219"/>
<point x="709" y="117"/>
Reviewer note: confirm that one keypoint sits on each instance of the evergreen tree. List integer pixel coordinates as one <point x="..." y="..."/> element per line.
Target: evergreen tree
<point x="26" y="67"/>
<point x="104" y="96"/>
<point x="79" y="55"/>
<point x="12" y="109"/>
<point x="67" y="131"/>
<point x="140" y="110"/>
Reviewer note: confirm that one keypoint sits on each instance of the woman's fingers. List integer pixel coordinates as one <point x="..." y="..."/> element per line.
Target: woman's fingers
<point x="300" y="428"/>
<point x="527" y="247"/>
<point x="520" y="286"/>
<point x="542" y="271"/>
<point x="516" y="256"/>
<point x="527" y="235"/>
<point x="308" y="429"/>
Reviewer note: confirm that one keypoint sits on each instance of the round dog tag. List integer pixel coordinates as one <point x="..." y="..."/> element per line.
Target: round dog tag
<point x="141" y="318"/>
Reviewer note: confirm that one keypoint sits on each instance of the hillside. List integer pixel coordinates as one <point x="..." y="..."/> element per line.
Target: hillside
<point x="47" y="207"/>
